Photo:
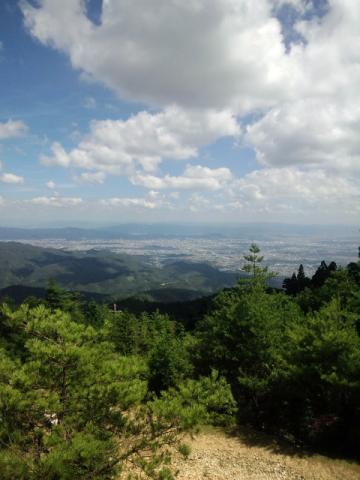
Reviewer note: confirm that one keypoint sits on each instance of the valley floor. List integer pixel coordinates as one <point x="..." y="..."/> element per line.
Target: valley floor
<point x="217" y="456"/>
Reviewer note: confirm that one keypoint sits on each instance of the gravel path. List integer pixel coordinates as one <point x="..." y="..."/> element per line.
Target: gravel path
<point x="216" y="456"/>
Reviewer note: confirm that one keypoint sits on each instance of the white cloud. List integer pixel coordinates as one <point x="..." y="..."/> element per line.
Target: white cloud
<point x="320" y="124"/>
<point x="56" y="201"/>
<point x="153" y="200"/>
<point x="11" y="178"/>
<point x="195" y="177"/>
<point x="174" y="195"/>
<point x="306" y="192"/>
<point x="310" y="132"/>
<point x="51" y="185"/>
<point x="144" y="140"/>
<point x="198" y="203"/>
<point x="128" y="202"/>
<point x="12" y="129"/>
<point x="196" y="53"/>
<point x="59" y="156"/>
<point x="205" y="64"/>
<point x="92" y="177"/>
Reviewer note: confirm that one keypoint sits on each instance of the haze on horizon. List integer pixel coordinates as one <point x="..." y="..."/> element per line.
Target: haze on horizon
<point x="227" y="111"/>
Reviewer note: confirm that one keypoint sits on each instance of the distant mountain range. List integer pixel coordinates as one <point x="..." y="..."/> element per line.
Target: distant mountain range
<point x="171" y="230"/>
<point x="28" y="269"/>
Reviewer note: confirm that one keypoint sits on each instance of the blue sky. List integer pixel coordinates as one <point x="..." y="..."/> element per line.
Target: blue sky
<point x="157" y="111"/>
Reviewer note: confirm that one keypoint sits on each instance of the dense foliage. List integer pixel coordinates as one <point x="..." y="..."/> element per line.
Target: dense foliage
<point x="293" y="360"/>
<point x="74" y="404"/>
<point x="88" y="392"/>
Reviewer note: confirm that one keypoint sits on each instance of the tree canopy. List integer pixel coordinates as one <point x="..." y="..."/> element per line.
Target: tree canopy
<point x="90" y="393"/>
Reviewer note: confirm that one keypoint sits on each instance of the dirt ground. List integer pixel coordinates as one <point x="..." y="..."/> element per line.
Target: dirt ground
<point x="217" y="456"/>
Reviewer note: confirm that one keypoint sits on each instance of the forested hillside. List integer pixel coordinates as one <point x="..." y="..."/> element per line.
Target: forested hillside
<point x="107" y="273"/>
<point x="87" y="392"/>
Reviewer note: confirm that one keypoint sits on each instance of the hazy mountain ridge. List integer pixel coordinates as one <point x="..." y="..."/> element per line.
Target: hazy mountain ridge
<point x="133" y="230"/>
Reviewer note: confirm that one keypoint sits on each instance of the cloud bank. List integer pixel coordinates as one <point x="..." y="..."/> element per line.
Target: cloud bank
<point x="210" y="70"/>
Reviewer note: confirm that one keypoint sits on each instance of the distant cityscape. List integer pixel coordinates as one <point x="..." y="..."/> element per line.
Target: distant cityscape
<point x="282" y="253"/>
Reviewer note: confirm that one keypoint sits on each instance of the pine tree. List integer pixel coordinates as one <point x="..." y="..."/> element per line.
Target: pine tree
<point x="253" y="259"/>
<point x="73" y="408"/>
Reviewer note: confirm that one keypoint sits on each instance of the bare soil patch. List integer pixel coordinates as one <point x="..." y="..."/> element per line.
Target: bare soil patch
<point x="218" y="456"/>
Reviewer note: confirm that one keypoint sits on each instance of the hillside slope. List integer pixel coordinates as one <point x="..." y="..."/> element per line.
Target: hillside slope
<point x="105" y="272"/>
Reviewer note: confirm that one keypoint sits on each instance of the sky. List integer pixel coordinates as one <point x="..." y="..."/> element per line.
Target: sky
<point x="197" y="111"/>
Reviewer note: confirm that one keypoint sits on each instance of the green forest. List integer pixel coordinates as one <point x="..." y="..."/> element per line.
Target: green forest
<point x="90" y="392"/>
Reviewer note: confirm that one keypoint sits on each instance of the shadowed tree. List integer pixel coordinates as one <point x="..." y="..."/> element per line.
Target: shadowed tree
<point x="296" y="283"/>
